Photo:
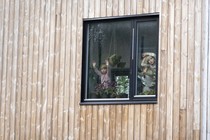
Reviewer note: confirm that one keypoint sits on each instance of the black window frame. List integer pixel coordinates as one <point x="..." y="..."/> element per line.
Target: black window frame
<point x="133" y="69"/>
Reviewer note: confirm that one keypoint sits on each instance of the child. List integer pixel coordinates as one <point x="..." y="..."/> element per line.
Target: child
<point x="148" y="72"/>
<point x="148" y="63"/>
<point x="103" y="73"/>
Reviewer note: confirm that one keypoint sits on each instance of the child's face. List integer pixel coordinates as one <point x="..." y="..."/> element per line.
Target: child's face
<point x="151" y="60"/>
<point x="103" y="71"/>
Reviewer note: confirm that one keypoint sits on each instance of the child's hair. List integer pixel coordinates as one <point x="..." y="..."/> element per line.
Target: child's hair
<point x="149" y="57"/>
<point x="103" y="66"/>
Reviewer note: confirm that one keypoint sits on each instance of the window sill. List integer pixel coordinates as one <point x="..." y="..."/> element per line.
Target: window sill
<point x="118" y="102"/>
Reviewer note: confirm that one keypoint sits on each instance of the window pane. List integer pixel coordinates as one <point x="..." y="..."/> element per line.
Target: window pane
<point x="109" y="59"/>
<point x="147" y="42"/>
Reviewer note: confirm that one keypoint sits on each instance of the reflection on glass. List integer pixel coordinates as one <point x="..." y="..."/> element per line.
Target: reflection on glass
<point x="109" y="49"/>
<point x="147" y="74"/>
<point x="147" y="48"/>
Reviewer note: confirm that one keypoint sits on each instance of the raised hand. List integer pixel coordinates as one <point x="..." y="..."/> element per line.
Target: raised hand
<point x="94" y="64"/>
<point x="107" y="62"/>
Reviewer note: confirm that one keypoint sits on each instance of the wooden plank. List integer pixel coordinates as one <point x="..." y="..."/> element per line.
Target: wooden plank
<point x="131" y="122"/>
<point x="83" y="118"/>
<point x="106" y="133"/>
<point x="34" y="84"/>
<point x="204" y="80"/>
<point x="170" y="70"/>
<point x="72" y="71"/>
<point x="177" y="67"/>
<point x="29" y="70"/>
<point x="83" y="124"/>
<point x="143" y="127"/>
<point x="190" y="70"/>
<point x="19" y="70"/>
<point x="140" y="6"/>
<point x="122" y="124"/>
<point x="182" y="122"/>
<point x="78" y="67"/>
<point x="56" y="68"/>
<point x="127" y="7"/>
<point x="25" y="72"/>
<point x="14" y="71"/>
<point x="2" y="10"/>
<point x="88" y="122"/>
<point x="72" y="112"/>
<point x="62" y="68"/>
<point x="137" y="121"/>
<point x="121" y="115"/>
<point x="94" y="129"/>
<point x="68" y="119"/>
<point x="158" y="6"/>
<point x="67" y="72"/>
<point x="46" y="76"/>
<point x="50" y="71"/>
<point x="109" y="11"/>
<point x="40" y="68"/>
<point x="152" y="6"/>
<point x="115" y="7"/>
<point x="208" y="76"/>
<point x="163" y="70"/>
<point x="149" y="122"/>
<point x="4" y="70"/>
<point x="156" y="122"/>
<point x="9" y="71"/>
<point x="86" y="9"/>
<point x="103" y="8"/>
<point x="146" y="6"/>
<point x="163" y="26"/>
<point x="183" y="94"/>
<point x="112" y="133"/>
<point x="100" y="122"/>
<point x="162" y="97"/>
<point x="133" y="6"/>
<point x="97" y="8"/>
<point x="197" y="68"/>
<point x="196" y="135"/>
<point x="91" y="10"/>
<point x="121" y="7"/>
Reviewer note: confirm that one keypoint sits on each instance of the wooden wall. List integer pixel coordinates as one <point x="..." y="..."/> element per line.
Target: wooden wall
<point x="40" y="72"/>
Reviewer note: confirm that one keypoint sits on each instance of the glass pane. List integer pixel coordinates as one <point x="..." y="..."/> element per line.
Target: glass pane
<point x="147" y="41"/>
<point x="109" y="59"/>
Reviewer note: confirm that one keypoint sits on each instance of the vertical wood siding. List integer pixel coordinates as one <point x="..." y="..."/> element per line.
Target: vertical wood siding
<point x="205" y="98"/>
<point x="40" y="72"/>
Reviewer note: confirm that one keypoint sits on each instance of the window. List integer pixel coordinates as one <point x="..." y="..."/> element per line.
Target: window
<point x="120" y="60"/>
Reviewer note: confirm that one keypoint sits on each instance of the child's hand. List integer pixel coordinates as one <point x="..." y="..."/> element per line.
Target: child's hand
<point x="107" y="62"/>
<point x="94" y="64"/>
